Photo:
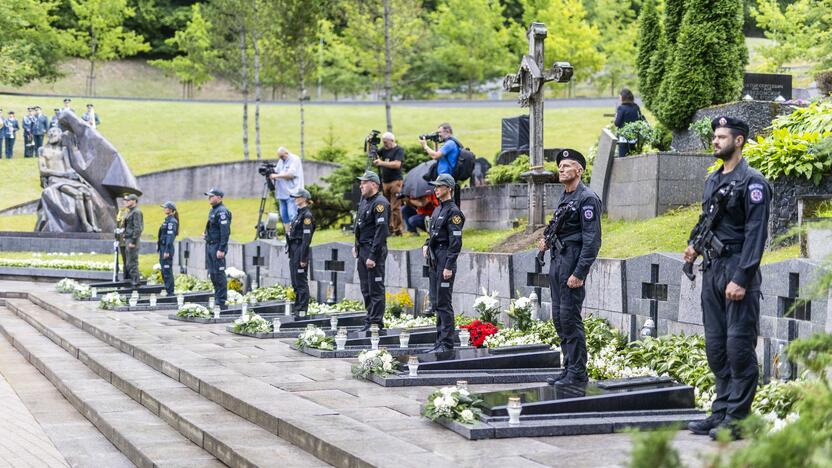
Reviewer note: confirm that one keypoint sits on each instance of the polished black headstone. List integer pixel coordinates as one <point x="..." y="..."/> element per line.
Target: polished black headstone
<point x="767" y="86"/>
<point x="323" y="321"/>
<point x="197" y="296"/>
<point x="101" y="285"/>
<point x="641" y="393"/>
<point x="483" y="358"/>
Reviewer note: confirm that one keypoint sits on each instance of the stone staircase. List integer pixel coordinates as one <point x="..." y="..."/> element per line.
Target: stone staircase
<point x="163" y="405"/>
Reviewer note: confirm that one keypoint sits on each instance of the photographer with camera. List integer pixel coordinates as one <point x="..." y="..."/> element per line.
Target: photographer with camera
<point x="447" y="155"/>
<point x="288" y="179"/>
<point x="390" y="159"/>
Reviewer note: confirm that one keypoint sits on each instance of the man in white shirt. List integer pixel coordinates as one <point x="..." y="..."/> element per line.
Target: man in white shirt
<point x="288" y="179"/>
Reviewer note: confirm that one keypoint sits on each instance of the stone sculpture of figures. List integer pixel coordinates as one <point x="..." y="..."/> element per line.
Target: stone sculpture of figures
<point x="63" y="185"/>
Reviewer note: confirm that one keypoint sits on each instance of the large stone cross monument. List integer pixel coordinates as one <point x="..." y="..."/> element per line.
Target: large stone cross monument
<point x="528" y="81"/>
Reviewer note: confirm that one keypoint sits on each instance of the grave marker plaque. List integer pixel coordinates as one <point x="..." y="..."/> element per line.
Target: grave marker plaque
<point x="767" y="86"/>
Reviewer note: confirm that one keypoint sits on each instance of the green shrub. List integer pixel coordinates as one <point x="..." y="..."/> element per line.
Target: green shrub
<point x="824" y="81"/>
<point x="640" y="132"/>
<point x="511" y="173"/>
<point x="649" y="36"/>
<point x="327" y="207"/>
<point x="816" y="117"/>
<point x="331" y="154"/>
<point x="791" y="154"/>
<point x="702" y="129"/>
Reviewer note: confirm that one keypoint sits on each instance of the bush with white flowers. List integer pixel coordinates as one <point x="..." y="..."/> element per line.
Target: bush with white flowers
<point x="82" y="292"/>
<point x="111" y="301"/>
<point x="234" y="298"/>
<point x="314" y="337"/>
<point x="67" y="285"/>
<point x="453" y="403"/>
<point x="374" y="361"/>
<point x="520" y="312"/>
<point x="251" y="323"/>
<point x="409" y="321"/>
<point x="346" y="306"/>
<point x="488" y="306"/>
<point x="192" y="310"/>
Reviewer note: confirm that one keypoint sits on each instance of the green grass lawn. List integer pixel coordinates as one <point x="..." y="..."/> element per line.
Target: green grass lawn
<point x="154" y="136"/>
<point x="621" y="239"/>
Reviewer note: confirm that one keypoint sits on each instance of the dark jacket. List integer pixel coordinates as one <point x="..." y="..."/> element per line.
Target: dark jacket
<point x="218" y="227"/>
<point x="582" y="226"/>
<point x="371" y="227"/>
<point x="167" y="235"/>
<point x="446" y="232"/>
<point x="300" y="233"/>
<point x="627" y="112"/>
<point x="133" y="226"/>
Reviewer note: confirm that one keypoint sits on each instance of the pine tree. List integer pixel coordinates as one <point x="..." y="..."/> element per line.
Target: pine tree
<point x="649" y="36"/>
<point x="709" y="60"/>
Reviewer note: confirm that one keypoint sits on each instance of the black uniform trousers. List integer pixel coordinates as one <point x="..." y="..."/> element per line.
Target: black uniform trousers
<point x="122" y="250"/>
<point x="131" y="264"/>
<point x="28" y="146"/>
<point x="566" y="310"/>
<point x="167" y="273"/>
<point x="299" y="276"/>
<point x="372" y="285"/>
<point x="440" y="298"/>
<point x="216" y="271"/>
<point x="731" y="329"/>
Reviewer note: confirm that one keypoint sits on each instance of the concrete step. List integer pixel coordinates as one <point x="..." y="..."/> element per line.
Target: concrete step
<point x="140" y="435"/>
<point x="232" y="439"/>
<point x="326" y="433"/>
<point x="77" y="440"/>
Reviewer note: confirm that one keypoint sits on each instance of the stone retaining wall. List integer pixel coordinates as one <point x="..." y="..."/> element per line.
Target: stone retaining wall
<point x="497" y="206"/>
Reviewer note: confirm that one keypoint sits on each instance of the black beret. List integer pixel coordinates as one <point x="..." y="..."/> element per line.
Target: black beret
<point x="571" y="154"/>
<point x="730" y="122"/>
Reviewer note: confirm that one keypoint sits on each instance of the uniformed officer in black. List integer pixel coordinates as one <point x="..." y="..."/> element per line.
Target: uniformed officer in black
<point x="580" y="236"/>
<point x="298" y="239"/>
<point x="217" y="232"/>
<point x="444" y="244"/>
<point x="731" y="283"/>
<point x="133" y="228"/>
<point x="371" y="231"/>
<point x="165" y="244"/>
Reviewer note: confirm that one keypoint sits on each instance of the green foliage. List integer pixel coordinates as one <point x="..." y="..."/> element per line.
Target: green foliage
<point x="778" y="397"/>
<point x="31" y="48"/>
<point x="194" y="43"/>
<point x="615" y="20"/>
<point x="599" y="334"/>
<point x="680" y="356"/>
<point x="342" y="179"/>
<point x="674" y="14"/>
<point x="511" y="173"/>
<point x="640" y="132"/>
<point x="702" y="129"/>
<point x="340" y="64"/>
<point x="708" y="61"/>
<point x="791" y="154"/>
<point x="816" y="117"/>
<point x="649" y="37"/>
<point x="328" y="207"/>
<point x="800" y="31"/>
<point x="655" y="449"/>
<point x="824" y="81"/>
<point x="473" y="45"/>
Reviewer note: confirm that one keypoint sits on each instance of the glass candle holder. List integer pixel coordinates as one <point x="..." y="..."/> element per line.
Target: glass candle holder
<point x="514" y="408"/>
<point x="134" y="300"/>
<point x="180" y="300"/>
<point x="216" y="310"/>
<point x="211" y="302"/>
<point x="244" y="309"/>
<point x="276" y="325"/>
<point x="152" y="300"/>
<point x="287" y="308"/>
<point x="333" y="322"/>
<point x="374" y="339"/>
<point x="462" y="384"/>
<point x="340" y="341"/>
<point x="404" y="339"/>
<point x="464" y="337"/>
<point x="412" y="366"/>
<point x="94" y="293"/>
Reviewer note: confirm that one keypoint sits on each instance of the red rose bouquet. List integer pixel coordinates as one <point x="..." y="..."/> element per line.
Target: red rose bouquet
<point x="480" y="331"/>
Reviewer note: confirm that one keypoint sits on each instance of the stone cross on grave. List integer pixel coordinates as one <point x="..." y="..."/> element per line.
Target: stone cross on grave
<point x="792" y="306"/>
<point x="258" y="260"/>
<point x="185" y="255"/>
<point x="538" y="280"/>
<point x="528" y="81"/>
<point x="334" y="266"/>
<point x="655" y="292"/>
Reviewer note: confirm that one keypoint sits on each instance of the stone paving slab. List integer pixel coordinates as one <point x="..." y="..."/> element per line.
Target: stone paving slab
<point x="297" y="372"/>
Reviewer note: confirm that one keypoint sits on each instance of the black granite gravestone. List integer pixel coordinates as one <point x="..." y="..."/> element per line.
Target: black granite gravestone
<point x="655" y="292"/>
<point x="767" y="86"/>
<point x="793" y="306"/>
<point x="258" y="261"/>
<point x="184" y="257"/>
<point x="334" y="266"/>
<point x="525" y="357"/>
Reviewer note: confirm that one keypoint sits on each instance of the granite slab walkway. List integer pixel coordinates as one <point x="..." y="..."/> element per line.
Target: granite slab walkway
<point x="328" y="383"/>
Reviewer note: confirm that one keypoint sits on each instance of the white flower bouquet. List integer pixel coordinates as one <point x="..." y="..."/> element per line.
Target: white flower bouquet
<point x="111" y="301"/>
<point x="488" y="306"/>
<point x="314" y="337"/>
<point x="193" y="311"/>
<point x="378" y="361"/>
<point x="67" y="285"/>
<point x="234" y="297"/>
<point x="520" y="312"/>
<point x="453" y="403"/>
<point x="82" y="292"/>
<point x="409" y="321"/>
<point x="251" y="323"/>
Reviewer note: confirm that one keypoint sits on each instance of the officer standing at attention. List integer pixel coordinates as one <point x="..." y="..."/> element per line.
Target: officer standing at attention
<point x="28" y="138"/>
<point x="731" y="280"/>
<point x="39" y="128"/>
<point x="165" y="244"/>
<point x="578" y="218"/>
<point x="371" y="231"/>
<point x="442" y="249"/>
<point x="298" y="239"/>
<point x="133" y="227"/>
<point x="217" y="232"/>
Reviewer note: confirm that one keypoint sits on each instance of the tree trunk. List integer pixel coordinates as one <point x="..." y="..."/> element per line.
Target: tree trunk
<point x="301" y="98"/>
<point x="91" y="78"/>
<point x="255" y="43"/>
<point x="244" y="74"/>
<point x="470" y="90"/>
<point x="387" y="66"/>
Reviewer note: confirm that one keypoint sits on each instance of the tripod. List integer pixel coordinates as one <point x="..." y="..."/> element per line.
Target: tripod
<point x="259" y="229"/>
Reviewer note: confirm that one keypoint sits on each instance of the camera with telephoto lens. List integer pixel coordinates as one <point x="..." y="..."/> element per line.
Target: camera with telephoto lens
<point x="431" y="137"/>
<point x="371" y="143"/>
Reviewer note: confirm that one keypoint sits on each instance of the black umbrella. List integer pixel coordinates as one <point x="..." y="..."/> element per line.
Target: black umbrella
<point x="415" y="185"/>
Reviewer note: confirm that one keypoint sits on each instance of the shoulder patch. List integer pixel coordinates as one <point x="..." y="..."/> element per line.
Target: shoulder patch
<point x="380" y="208"/>
<point x="589" y="212"/>
<point x="307" y="221"/>
<point x="456" y="219"/>
<point x="756" y="195"/>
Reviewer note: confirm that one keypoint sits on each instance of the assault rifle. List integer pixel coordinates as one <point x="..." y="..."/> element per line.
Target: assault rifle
<point x="550" y="234"/>
<point x="703" y="240"/>
<point x="431" y="258"/>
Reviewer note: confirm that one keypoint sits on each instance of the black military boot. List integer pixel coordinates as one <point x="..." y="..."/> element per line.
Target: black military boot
<point x="704" y="426"/>
<point x="729" y="425"/>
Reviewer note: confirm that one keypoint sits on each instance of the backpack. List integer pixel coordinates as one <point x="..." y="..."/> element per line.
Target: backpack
<point x="464" y="162"/>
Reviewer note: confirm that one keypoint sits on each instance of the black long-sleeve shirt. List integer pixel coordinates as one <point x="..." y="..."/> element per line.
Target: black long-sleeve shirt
<point x="300" y="231"/>
<point x="371" y="225"/>
<point x="218" y="227"/>
<point x="582" y="226"/>
<point x="745" y="218"/>
<point x="446" y="232"/>
<point x="167" y="235"/>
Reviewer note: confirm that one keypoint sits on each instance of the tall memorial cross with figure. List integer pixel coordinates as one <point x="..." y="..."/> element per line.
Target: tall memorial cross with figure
<point x="528" y="81"/>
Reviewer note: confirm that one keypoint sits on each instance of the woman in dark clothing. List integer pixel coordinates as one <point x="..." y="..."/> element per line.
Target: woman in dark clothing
<point x="628" y="111"/>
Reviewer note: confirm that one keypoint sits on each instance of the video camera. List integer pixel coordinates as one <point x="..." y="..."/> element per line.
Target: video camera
<point x="431" y="137"/>
<point x="371" y="142"/>
<point x="267" y="169"/>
